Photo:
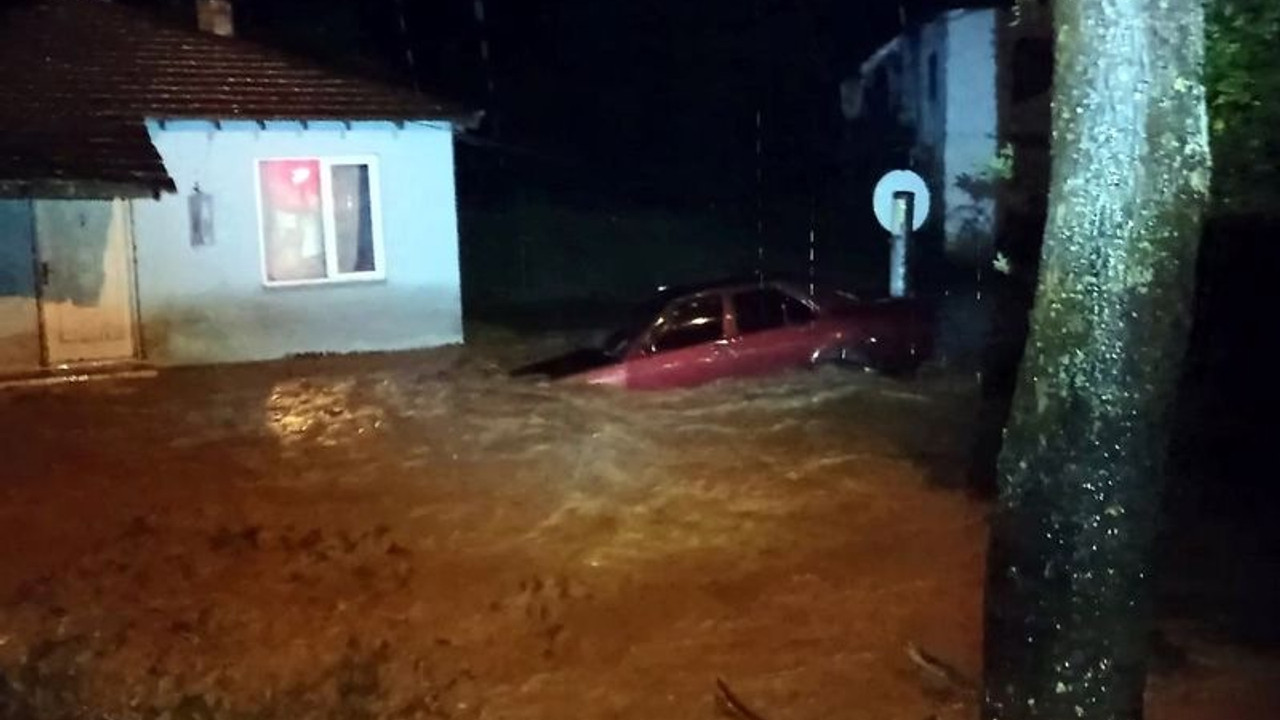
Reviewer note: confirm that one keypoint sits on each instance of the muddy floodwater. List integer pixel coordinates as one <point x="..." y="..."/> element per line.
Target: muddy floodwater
<point x="416" y="536"/>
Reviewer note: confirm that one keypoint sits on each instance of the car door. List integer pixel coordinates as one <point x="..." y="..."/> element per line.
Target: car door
<point x="684" y="346"/>
<point x="773" y="331"/>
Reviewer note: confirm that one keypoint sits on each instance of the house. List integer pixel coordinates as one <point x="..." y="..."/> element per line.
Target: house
<point x="970" y="90"/>
<point x="179" y="196"/>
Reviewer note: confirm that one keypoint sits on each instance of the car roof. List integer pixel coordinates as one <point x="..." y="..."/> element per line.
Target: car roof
<point x="668" y="294"/>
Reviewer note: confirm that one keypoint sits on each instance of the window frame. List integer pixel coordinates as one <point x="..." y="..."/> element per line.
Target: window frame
<point x="328" y="221"/>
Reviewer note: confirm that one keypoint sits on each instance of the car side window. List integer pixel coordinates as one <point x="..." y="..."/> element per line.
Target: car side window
<point x="692" y="322"/>
<point x="797" y="312"/>
<point x="759" y="310"/>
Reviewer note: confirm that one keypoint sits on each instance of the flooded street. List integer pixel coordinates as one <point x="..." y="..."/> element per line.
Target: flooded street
<point x="417" y="536"/>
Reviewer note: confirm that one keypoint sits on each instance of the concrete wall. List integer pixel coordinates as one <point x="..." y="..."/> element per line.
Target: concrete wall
<point x="210" y="304"/>
<point x="19" y="313"/>
<point x="971" y="128"/>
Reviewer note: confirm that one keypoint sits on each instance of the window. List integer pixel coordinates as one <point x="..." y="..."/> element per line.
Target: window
<point x="797" y="312"/>
<point x="320" y="220"/>
<point x="880" y="88"/>
<point x="767" y="309"/>
<point x="933" y="77"/>
<point x="692" y="322"/>
<point x="759" y="310"/>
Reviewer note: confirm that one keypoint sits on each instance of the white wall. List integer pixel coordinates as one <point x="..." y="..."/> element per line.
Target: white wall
<point x="209" y="304"/>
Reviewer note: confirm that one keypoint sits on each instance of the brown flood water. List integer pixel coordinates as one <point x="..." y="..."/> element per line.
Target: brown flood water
<point x="414" y="535"/>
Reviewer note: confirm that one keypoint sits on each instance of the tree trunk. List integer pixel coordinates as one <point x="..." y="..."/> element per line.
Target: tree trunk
<point x="1068" y="594"/>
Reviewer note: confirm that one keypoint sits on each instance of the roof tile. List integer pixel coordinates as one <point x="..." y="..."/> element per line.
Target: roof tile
<point x="84" y="75"/>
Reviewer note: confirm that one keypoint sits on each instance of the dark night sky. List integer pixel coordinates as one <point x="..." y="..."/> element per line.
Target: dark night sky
<point x="654" y="92"/>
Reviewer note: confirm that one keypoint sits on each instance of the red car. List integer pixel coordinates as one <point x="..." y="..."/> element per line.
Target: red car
<point x="750" y="328"/>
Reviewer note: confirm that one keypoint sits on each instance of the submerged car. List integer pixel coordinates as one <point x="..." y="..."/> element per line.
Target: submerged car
<point x="695" y="336"/>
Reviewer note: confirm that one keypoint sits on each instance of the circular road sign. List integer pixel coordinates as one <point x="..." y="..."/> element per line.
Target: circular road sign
<point x="896" y="181"/>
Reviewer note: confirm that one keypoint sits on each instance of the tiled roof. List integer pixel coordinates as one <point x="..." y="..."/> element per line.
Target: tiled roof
<point x="81" y="76"/>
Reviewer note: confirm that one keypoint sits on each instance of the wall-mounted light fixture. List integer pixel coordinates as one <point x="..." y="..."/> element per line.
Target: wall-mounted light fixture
<point x="200" y="209"/>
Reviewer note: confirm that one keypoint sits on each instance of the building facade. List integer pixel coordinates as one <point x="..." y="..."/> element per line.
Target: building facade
<point x="234" y="205"/>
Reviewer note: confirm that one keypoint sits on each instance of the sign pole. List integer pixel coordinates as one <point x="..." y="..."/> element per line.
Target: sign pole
<point x="904" y="209"/>
<point x="901" y="205"/>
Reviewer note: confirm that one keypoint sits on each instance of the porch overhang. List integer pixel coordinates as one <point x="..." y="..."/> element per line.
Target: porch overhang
<point x="82" y="189"/>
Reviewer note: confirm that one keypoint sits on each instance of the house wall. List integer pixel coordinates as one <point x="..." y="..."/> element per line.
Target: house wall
<point x="929" y="98"/>
<point x="209" y="303"/>
<point x="932" y="79"/>
<point x="19" y="313"/>
<point x="971" y="128"/>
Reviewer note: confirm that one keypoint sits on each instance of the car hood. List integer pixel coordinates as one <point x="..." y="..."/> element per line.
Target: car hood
<point x="573" y="363"/>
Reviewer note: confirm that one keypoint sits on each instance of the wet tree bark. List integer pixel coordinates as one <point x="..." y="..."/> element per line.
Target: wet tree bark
<point x="1080" y="472"/>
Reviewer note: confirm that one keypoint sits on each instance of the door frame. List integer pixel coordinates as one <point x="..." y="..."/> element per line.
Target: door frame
<point x="37" y="284"/>
<point x="130" y="282"/>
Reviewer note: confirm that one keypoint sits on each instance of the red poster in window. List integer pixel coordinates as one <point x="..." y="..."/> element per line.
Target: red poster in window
<point x="292" y="185"/>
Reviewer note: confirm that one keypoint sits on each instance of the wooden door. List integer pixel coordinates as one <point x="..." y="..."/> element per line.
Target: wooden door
<point x="86" y="280"/>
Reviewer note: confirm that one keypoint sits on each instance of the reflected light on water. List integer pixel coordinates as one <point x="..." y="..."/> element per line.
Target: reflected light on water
<point x="321" y="411"/>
